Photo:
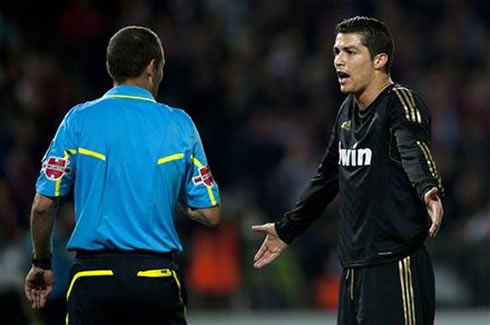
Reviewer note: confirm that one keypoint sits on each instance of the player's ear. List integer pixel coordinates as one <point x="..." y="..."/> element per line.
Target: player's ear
<point x="380" y="60"/>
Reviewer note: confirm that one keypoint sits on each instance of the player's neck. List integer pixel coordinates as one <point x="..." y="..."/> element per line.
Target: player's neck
<point x="369" y="94"/>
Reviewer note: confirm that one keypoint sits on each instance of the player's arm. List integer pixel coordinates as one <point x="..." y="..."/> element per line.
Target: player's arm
<point x="321" y="190"/>
<point x="411" y="128"/>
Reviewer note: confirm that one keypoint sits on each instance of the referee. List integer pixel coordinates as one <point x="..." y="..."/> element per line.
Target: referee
<point x="132" y="162"/>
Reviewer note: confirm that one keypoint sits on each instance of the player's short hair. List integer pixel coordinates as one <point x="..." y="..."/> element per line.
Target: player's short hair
<point x="375" y="36"/>
<point x="130" y="50"/>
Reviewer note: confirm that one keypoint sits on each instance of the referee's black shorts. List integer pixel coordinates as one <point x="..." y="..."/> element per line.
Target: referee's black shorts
<point x="116" y="287"/>
<point x="397" y="293"/>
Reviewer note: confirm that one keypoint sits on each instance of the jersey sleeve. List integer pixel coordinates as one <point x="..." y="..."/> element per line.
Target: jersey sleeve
<point x="321" y="190"/>
<point x="200" y="190"/>
<point x="412" y="130"/>
<point x="58" y="164"/>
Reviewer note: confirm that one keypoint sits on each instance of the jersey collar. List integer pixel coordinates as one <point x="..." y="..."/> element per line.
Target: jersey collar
<point x="130" y="92"/>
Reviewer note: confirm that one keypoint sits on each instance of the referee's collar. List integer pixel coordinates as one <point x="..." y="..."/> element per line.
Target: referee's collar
<point x="130" y="92"/>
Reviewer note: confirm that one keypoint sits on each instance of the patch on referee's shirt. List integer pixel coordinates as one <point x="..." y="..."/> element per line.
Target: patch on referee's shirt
<point x="205" y="177"/>
<point x="54" y="168"/>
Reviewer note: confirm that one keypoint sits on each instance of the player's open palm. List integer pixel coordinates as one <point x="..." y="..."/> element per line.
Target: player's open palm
<point x="272" y="246"/>
<point x="434" y="208"/>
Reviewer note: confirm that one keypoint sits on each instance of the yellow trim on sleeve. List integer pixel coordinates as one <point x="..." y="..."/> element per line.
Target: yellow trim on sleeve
<point x="91" y="153"/>
<point x="210" y="190"/>
<point x="158" y="273"/>
<point x="131" y="97"/>
<point x="169" y="158"/>
<point x="57" y="185"/>
<point x="82" y="274"/>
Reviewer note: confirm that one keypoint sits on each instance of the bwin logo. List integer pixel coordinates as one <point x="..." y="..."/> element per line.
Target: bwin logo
<point x="354" y="157"/>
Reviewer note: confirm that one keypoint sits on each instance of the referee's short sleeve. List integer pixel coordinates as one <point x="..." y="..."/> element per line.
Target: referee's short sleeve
<point x="200" y="189"/>
<point x="58" y="164"/>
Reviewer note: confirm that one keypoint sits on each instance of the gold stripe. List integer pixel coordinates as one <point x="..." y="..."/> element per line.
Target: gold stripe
<point x="402" y="285"/>
<point x="57" y="185"/>
<point x="87" y="274"/>
<point x="67" y="318"/>
<point x="352" y="285"/>
<point x="176" y="278"/>
<point x="159" y="273"/>
<point x="407" y="293"/>
<point x="429" y="163"/>
<point x="170" y="158"/>
<point x="412" y="299"/>
<point x="91" y="153"/>
<point x="402" y="101"/>
<point x="405" y="94"/>
<point x="412" y="98"/>
<point x="431" y="160"/>
<point x="131" y="97"/>
<point x="210" y="191"/>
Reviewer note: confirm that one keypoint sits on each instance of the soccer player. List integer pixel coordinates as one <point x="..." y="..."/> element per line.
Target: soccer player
<point x="132" y="162"/>
<point x="379" y="160"/>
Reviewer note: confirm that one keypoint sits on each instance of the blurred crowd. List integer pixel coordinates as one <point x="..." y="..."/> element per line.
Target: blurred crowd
<point x="258" y="80"/>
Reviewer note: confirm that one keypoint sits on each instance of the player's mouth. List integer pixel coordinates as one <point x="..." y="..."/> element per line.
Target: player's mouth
<point x="343" y="76"/>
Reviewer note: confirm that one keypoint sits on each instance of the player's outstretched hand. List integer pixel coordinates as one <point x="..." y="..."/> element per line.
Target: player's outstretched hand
<point x="271" y="247"/>
<point x="434" y="208"/>
<point x="38" y="284"/>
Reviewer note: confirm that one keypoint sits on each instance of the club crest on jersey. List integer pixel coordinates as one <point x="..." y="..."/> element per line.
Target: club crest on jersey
<point x="346" y="125"/>
<point x="54" y="168"/>
<point x="355" y="156"/>
<point x="205" y="177"/>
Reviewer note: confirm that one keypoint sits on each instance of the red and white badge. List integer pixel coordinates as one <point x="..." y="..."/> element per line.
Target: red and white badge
<point x="205" y="177"/>
<point x="54" y="168"/>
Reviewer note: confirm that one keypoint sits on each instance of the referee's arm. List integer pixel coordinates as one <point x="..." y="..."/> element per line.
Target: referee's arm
<point x="208" y="216"/>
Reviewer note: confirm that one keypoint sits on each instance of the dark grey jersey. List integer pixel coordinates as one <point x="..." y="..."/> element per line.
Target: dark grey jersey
<point x="380" y="162"/>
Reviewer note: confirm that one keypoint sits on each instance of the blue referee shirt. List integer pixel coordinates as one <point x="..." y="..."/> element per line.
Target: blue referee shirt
<point x="130" y="159"/>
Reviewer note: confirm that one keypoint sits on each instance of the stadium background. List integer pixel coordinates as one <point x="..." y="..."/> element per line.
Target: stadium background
<point x="257" y="78"/>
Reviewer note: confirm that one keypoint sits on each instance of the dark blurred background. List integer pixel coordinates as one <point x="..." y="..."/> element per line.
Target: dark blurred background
<point x="258" y="80"/>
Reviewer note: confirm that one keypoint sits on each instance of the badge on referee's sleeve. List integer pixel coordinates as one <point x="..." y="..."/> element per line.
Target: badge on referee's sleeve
<point x="204" y="177"/>
<point x="55" y="167"/>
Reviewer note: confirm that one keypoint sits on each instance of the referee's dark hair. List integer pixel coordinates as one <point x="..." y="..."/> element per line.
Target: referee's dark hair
<point x="375" y="36"/>
<point x="130" y="50"/>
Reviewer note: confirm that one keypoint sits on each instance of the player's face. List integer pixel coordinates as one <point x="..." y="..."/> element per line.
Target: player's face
<point x="353" y="63"/>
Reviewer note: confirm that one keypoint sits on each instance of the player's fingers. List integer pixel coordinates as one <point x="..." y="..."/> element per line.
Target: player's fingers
<point x="261" y="250"/>
<point x="436" y="221"/>
<point x="266" y="259"/>
<point x="260" y="228"/>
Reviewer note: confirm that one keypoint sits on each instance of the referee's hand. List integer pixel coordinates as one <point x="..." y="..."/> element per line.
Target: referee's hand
<point x="38" y="284"/>
<point x="271" y="247"/>
<point x="434" y="209"/>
